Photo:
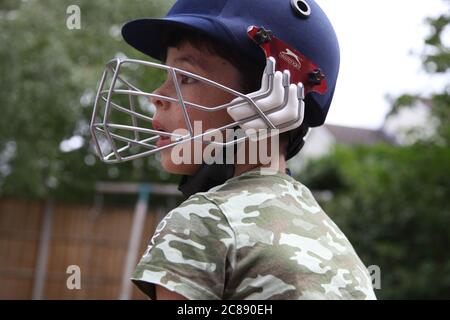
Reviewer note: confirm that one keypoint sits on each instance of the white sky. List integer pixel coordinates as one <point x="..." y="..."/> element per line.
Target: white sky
<point x="380" y="46"/>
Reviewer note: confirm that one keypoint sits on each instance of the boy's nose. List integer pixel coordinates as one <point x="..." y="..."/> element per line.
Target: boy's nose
<point x="158" y="101"/>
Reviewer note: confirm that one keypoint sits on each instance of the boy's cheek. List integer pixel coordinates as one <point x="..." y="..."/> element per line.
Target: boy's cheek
<point x="209" y="120"/>
<point x="176" y="168"/>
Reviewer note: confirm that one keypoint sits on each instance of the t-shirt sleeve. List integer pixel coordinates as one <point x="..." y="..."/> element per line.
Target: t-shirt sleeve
<point x="188" y="252"/>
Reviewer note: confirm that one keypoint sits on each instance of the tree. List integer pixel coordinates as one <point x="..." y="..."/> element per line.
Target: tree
<point x="392" y="202"/>
<point x="49" y="75"/>
<point x="436" y="60"/>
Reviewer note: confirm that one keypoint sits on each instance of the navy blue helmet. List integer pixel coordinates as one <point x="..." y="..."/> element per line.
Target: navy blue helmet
<point x="301" y="24"/>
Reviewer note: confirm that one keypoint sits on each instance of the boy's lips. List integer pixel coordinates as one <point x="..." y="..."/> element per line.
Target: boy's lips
<point x="163" y="140"/>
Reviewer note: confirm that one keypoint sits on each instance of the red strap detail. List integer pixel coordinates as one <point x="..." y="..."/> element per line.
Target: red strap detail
<point x="301" y="68"/>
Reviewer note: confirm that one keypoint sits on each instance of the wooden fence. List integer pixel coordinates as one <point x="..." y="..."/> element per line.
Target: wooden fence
<point x="94" y="238"/>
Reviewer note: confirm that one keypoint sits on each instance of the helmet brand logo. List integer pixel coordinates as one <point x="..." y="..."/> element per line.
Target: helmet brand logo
<point x="291" y="58"/>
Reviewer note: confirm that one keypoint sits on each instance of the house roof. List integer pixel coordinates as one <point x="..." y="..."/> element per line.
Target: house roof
<point x="351" y="135"/>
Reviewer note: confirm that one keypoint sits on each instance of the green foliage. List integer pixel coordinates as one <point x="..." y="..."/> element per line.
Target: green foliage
<point x="439" y="60"/>
<point x="49" y="75"/>
<point x="436" y="61"/>
<point x="393" y="205"/>
<point x="393" y="202"/>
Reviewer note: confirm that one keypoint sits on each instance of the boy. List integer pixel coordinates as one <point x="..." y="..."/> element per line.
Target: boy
<point x="248" y="229"/>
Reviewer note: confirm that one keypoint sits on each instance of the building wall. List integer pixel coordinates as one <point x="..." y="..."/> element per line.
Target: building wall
<point x="95" y="239"/>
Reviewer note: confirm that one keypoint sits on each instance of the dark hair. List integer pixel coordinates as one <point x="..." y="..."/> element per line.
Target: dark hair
<point x="251" y="72"/>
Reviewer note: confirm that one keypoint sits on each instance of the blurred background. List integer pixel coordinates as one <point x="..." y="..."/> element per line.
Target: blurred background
<point x="380" y="167"/>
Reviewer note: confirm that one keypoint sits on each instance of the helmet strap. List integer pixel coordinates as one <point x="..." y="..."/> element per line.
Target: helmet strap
<point x="207" y="176"/>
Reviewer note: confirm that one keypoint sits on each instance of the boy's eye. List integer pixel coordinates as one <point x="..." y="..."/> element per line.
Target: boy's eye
<point x="187" y="80"/>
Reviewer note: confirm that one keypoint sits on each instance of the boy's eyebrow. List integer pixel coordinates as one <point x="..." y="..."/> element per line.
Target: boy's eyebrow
<point x="191" y="60"/>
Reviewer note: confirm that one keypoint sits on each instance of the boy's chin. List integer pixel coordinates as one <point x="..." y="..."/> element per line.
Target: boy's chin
<point x="180" y="169"/>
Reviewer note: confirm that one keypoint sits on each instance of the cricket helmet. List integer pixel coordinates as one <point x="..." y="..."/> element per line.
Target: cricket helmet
<point x="293" y="37"/>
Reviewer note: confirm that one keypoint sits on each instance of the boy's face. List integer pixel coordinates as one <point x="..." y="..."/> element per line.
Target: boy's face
<point x="169" y="115"/>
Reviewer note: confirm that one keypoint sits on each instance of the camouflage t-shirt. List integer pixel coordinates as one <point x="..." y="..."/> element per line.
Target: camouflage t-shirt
<point x="257" y="236"/>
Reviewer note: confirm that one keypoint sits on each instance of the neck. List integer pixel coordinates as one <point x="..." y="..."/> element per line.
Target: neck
<point x="277" y="164"/>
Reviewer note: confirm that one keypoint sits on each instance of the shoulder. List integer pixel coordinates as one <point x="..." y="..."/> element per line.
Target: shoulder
<point x="196" y="217"/>
<point x="197" y="205"/>
<point x="278" y="193"/>
<point x="186" y="253"/>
